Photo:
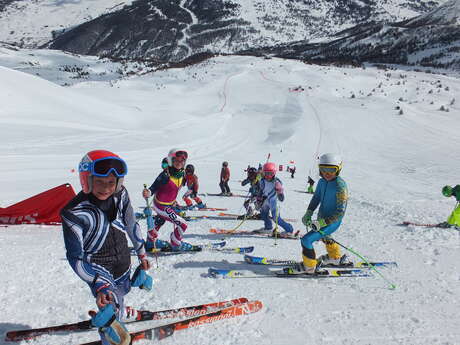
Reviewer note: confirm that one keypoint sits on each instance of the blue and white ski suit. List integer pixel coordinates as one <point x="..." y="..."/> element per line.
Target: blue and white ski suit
<point x="95" y="234"/>
<point x="268" y="191"/>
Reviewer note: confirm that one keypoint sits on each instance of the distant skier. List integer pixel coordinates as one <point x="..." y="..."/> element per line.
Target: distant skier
<point x="165" y="189"/>
<point x="224" y="178"/>
<point x="311" y="183"/>
<point x="192" y="188"/>
<point x="454" y="218"/>
<point x="270" y="191"/>
<point x="292" y="172"/>
<point x="332" y="195"/>
<point x="253" y="178"/>
<point x="95" y="225"/>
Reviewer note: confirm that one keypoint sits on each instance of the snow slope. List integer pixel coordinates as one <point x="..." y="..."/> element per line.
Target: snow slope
<point x="240" y="109"/>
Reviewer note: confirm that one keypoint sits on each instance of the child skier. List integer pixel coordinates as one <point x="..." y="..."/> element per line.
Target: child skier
<point x="331" y="194"/>
<point x="271" y="190"/>
<point x="165" y="189"/>
<point x="95" y="224"/>
<point x="192" y="185"/>
<point x="454" y="218"/>
<point x="224" y="178"/>
<point x="253" y="178"/>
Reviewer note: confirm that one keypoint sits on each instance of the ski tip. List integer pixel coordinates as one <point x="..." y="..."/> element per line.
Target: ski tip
<point x="245" y="250"/>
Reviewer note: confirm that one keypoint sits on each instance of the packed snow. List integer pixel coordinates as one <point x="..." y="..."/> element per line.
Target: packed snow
<point x="240" y="109"/>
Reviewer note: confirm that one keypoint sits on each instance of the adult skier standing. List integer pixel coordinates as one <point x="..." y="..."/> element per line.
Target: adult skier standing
<point x="332" y="195"/>
<point x="165" y="189"/>
<point x="95" y="224"/>
<point x="270" y="191"/>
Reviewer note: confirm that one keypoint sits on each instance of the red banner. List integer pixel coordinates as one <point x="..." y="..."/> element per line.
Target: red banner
<point x="42" y="208"/>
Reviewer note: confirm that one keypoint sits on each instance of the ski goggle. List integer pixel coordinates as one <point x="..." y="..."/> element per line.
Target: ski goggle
<point x="103" y="167"/>
<point x="269" y="173"/>
<point x="180" y="156"/>
<point x="332" y="169"/>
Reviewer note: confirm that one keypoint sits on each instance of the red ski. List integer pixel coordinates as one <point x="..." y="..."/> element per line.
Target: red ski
<point x="142" y="315"/>
<point x="161" y="332"/>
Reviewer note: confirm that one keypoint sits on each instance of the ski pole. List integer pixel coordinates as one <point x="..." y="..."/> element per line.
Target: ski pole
<point x="391" y="285"/>
<point x="276" y="222"/>
<point x="150" y="225"/>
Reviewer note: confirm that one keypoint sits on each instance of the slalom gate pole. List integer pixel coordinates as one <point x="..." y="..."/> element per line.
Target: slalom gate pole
<point x="150" y="224"/>
<point x="391" y="285"/>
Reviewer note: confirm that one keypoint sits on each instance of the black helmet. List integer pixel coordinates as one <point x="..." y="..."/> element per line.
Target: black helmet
<point x="225" y="164"/>
<point x="252" y="173"/>
<point x="189" y="169"/>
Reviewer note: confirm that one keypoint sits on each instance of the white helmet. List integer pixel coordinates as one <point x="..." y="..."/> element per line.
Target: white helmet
<point x="173" y="153"/>
<point x="331" y="159"/>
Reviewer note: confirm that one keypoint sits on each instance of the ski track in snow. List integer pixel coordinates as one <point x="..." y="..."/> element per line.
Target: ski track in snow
<point x="240" y="109"/>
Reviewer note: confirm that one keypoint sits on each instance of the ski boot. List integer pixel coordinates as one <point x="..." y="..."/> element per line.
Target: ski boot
<point x="326" y="261"/>
<point x="263" y="231"/>
<point x="300" y="268"/>
<point x="200" y="205"/>
<point x="157" y="244"/>
<point x="183" y="247"/>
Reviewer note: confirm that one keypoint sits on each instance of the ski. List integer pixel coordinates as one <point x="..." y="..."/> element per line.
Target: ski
<point x="214" y="247"/>
<point x="442" y="225"/>
<point x="209" y="209"/>
<point x="141" y="315"/>
<point x="161" y="332"/>
<point x="243" y="216"/>
<point x="258" y="260"/>
<point x="224" y="273"/>
<point x="228" y="196"/>
<point x="303" y="191"/>
<point x="218" y="231"/>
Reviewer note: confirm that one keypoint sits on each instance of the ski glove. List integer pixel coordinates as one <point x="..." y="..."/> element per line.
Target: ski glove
<point x="306" y="219"/>
<point x="318" y="224"/>
<point x="141" y="279"/>
<point x="115" y="332"/>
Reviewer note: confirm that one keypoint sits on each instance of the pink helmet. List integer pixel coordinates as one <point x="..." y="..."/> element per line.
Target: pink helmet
<point x="101" y="163"/>
<point x="269" y="169"/>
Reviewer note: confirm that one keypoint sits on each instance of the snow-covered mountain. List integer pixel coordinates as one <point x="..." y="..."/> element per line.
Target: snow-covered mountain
<point x="171" y="30"/>
<point x="432" y="40"/>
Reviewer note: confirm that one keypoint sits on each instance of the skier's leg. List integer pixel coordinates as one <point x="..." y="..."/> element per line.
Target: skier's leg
<point x="265" y="216"/>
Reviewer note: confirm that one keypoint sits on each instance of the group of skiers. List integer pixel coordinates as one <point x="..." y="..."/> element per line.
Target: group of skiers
<point x="96" y="222"/>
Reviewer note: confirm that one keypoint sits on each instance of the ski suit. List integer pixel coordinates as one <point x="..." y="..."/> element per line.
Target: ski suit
<point x="224" y="178"/>
<point x="270" y="192"/>
<point x="253" y="192"/>
<point x="332" y="197"/>
<point x="192" y="192"/>
<point x="96" y="245"/>
<point x="165" y="189"/>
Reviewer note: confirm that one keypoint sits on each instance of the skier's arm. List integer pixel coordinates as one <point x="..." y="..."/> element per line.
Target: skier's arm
<point x="90" y="273"/>
<point x="315" y="200"/>
<point x="279" y="190"/>
<point x="132" y="227"/>
<point x="245" y="182"/>
<point x="342" y="198"/>
<point x="162" y="179"/>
